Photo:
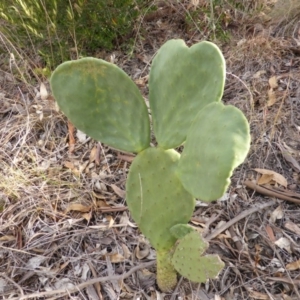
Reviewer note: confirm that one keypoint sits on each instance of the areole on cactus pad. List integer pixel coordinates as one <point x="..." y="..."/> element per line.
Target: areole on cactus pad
<point x="185" y="89"/>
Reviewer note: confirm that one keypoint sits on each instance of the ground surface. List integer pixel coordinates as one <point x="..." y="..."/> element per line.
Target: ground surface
<point x="64" y="221"/>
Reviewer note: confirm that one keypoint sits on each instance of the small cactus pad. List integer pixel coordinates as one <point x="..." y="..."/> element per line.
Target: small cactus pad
<point x="102" y="101"/>
<point x="217" y="142"/>
<point x="155" y="196"/>
<point x="189" y="262"/>
<point x="166" y="273"/>
<point x="180" y="230"/>
<point x="182" y="81"/>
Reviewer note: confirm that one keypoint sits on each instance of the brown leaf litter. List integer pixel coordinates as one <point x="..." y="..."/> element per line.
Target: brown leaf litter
<point x="65" y="231"/>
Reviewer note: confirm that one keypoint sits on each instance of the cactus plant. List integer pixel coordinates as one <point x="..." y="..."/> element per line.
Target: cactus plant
<point x="185" y="89"/>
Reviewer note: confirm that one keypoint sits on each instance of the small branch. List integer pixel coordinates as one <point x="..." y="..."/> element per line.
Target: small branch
<point x="87" y="283"/>
<point x="239" y="217"/>
<point x="294" y="198"/>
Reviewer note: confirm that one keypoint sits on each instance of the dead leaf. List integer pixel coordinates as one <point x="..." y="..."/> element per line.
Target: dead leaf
<point x="83" y="166"/>
<point x="84" y="271"/>
<point x="140" y="82"/>
<point x="93" y="154"/>
<point x="97" y="160"/>
<point x="271" y="97"/>
<point x="118" y="191"/>
<point x="72" y="167"/>
<point x="7" y="238"/>
<point x="194" y="3"/>
<point x="270" y="233"/>
<point x="43" y="91"/>
<point x="71" y="130"/>
<point x="258" y="74"/>
<point x="277" y="214"/>
<point x="77" y="207"/>
<point x="87" y="216"/>
<point x="35" y="262"/>
<point x="273" y="82"/>
<point x="116" y="258"/>
<point x="101" y="203"/>
<point x="111" y="221"/>
<point x="142" y="250"/>
<point x="272" y="177"/>
<point x="284" y="243"/>
<point x="264" y="179"/>
<point x="292" y="227"/>
<point x="288" y="157"/>
<point x="69" y="165"/>
<point x="64" y="283"/>
<point x="81" y="136"/>
<point x="124" y="220"/>
<point x="295" y="265"/>
<point x="126" y="251"/>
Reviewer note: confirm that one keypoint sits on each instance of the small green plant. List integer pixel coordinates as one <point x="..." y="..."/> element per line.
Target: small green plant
<point x="58" y="30"/>
<point x="186" y="86"/>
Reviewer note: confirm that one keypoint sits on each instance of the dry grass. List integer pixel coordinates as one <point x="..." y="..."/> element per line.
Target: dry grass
<point x="64" y="222"/>
<point x="285" y="17"/>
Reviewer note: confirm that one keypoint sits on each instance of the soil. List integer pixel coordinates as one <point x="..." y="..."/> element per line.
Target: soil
<point x="65" y="231"/>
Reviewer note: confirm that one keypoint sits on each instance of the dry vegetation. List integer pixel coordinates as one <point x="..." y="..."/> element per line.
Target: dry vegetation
<point x="65" y="232"/>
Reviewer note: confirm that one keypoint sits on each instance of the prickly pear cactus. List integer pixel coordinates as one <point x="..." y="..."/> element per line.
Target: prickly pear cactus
<point x="185" y="89"/>
<point x="189" y="261"/>
<point x="102" y="101"/>
<point x="179" y="77"/>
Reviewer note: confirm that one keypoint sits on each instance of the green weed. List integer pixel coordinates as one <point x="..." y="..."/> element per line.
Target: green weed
<point x="58" y="30"/>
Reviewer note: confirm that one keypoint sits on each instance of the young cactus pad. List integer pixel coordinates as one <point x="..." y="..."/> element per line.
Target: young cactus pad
<point x="185" y="89"/>
<point x="189" y="262"/>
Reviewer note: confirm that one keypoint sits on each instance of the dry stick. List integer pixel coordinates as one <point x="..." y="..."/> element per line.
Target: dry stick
<point x="268" y="192"/>
<point x="239" y="217"/>
<point x="89" y="282"/>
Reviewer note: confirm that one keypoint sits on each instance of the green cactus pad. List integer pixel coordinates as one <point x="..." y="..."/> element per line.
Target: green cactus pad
<point x="182" y="81"/>
<point x="181" y="230"/>
<point x="217" y="142"/>
<point x="102" y="101"/>
<point x="166" y="273"/>
<point x="188" y="261"/>
<point x="155" y="197"/>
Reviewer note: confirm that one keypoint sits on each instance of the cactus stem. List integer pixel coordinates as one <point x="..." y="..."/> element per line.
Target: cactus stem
<point x="166" y="274"/>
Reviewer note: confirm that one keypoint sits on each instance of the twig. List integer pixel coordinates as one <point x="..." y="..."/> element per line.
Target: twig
<point x="247" y="88"/>
<point x="87" y="283"/>
<point x="295" y="198"/>
<point x="175" y="293"/>
<point x="239" y="217"/>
